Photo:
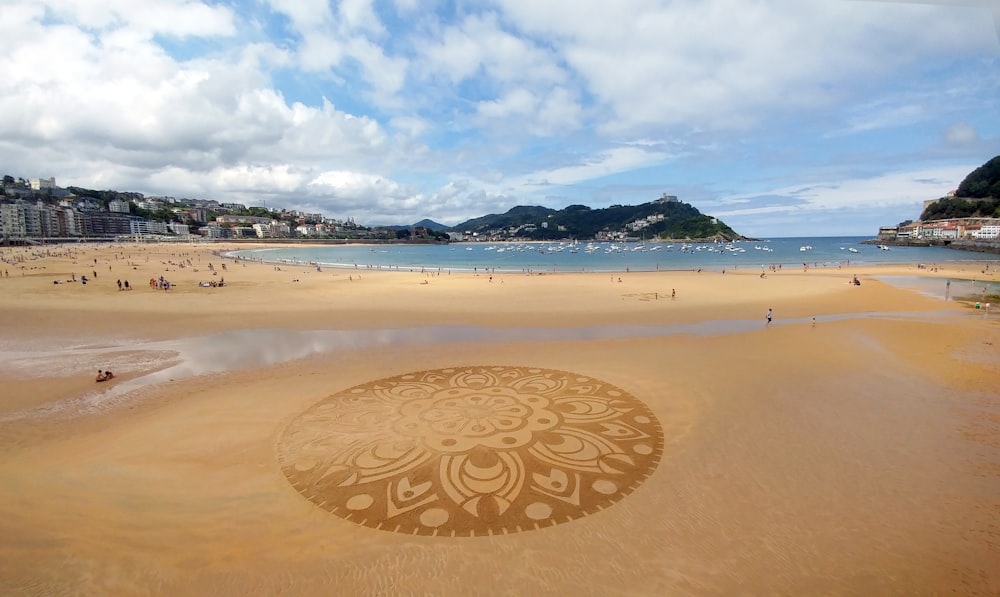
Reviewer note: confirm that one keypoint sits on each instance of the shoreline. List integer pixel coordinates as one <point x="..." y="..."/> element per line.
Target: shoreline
<point x="543" y="271"/>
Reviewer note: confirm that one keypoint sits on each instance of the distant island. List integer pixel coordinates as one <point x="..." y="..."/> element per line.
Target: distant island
<point x="665" y="218"/>
<point x="968" y="218"/>
<point x="37" y="210"/>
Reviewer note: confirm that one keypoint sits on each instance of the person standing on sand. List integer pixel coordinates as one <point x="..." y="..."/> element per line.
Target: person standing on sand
<point x="770" y="314"/>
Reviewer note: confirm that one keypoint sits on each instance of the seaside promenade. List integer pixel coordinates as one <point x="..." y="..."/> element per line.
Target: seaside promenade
<point x="314" y="431"/>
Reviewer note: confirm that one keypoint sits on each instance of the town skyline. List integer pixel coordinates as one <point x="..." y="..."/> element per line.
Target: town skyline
<point x="37" y="208"/>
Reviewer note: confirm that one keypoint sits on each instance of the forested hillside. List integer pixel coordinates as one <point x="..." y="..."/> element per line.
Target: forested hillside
<point x="977" y="197"/>
<point x="680" y="221"/>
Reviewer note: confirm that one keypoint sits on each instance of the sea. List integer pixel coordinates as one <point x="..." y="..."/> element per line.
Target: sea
<point x="583" y="256"/>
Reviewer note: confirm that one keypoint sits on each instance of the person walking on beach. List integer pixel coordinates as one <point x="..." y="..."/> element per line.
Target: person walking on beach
<point x="770" y="314"/>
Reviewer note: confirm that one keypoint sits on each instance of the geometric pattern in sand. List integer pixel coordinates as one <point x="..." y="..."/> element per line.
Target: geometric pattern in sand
<point x="471" y="451"/>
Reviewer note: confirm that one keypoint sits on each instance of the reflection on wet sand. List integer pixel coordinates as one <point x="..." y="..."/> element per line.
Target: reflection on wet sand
<point x="159" y="362"/>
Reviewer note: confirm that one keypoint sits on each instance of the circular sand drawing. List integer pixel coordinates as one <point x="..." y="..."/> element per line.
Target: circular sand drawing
<point x="472" y="450"/>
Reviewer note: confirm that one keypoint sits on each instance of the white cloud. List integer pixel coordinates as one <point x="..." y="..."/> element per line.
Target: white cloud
<point x="360" y="16"/>
<point x="179" y="18"/>
<point x="725" y="64"/>
<point x="613" y="161"/>
<point x="899" y="189"/>
<point x="961" y="133"/>
<point x="304" y="14"/>
<point x="444" y="110"/>
<point x="479" y="44"/>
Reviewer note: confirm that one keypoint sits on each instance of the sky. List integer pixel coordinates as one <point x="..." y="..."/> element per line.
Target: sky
<point x="780" y="117"/>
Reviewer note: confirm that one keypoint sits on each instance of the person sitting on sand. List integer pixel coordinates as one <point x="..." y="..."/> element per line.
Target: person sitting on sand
<point x="109" y="375"/>
<point x="101" y="376"/>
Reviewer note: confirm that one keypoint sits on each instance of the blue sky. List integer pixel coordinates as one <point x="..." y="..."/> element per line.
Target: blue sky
<point x="782" y="118"/>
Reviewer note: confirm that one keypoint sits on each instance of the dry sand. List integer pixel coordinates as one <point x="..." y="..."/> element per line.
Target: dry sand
<point x="855" y="456"/>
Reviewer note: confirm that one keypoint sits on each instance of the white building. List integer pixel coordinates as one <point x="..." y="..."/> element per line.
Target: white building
<point x="988" y="232"/>
<point x="262" y="230"/>
<point x="118" y="206"/>
<point x="42" y="183"/>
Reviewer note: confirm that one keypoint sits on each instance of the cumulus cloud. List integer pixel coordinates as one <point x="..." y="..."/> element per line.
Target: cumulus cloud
<point x="181" y="18"/>
<point x="961" y="133"/>
<point x="409" y="110"/>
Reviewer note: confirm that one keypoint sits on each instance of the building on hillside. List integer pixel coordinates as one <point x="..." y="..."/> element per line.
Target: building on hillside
<point x="954" y="229"/>
<point x="908" y="231"/>
<point x="262" y="230"/>
<point x="280" y="229"/>
<point x="231" y="219"/>
<point x="150" y="203"/>
<point x="887" y="233"/>
<point x="198" y="214"/>
<point x="18" y="192"/>
<point x="119" y="206"/>
<point x="214" y="230"/>
<point x="41" y="184"/>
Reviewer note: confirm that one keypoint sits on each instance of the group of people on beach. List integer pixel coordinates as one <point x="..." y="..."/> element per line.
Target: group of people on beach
<point x="104" y="375"/>
<point x="159" y="283"/>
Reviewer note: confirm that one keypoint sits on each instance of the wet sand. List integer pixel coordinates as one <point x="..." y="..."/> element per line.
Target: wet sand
<point x="855" y="456"/>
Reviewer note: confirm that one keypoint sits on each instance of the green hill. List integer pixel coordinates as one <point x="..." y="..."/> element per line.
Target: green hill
<point x="983" y="182"/>
<point x="977" y="197"/>
<point x="680" y="221"/>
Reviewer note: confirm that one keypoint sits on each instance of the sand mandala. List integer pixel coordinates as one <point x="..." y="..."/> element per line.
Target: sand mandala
<point x="471" y="451"/>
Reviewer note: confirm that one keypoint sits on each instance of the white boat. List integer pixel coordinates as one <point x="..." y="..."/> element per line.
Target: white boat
<point x="853" y="250"/>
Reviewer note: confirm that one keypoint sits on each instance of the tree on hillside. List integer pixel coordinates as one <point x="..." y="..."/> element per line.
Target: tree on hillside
<point x="983" y="182"/>
<point x="960" y="207"/>
<point x="260" y="212"/>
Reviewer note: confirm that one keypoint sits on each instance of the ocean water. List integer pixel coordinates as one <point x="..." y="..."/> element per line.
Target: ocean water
<point x="613" y="256"/>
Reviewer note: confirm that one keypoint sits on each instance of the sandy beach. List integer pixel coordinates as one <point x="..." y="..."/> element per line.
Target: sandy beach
<point x="347" y="432"/>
